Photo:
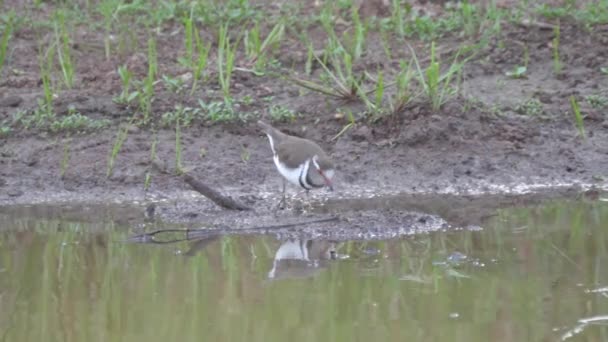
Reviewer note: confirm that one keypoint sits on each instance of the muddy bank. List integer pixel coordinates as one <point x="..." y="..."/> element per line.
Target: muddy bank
<point x="500" y="136"/>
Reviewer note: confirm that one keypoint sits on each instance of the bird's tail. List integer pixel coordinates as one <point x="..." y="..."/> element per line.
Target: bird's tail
<point x="273" y="132"/>
<point x="266" y="127"/>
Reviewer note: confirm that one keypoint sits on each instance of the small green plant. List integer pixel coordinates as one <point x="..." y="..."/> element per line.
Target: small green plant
<point x="121" y="137"/>
<point x="530" y="107"/>
<point x="245" y="155"/>
<point x="219" y="111"/>
<point x="578" y="117"/>
<point x="597" y="101"/>
<point x="517" y="72"/>
<point x="173" y="84"/>
<point x="280" y="113"/>
<point x="185" y="115"/>
<point x="557" y="64"/>
<point x="4" y="130"/>
<point x="6" y="36"/>
<point x="126" y="96"/>
<point x="75" y="122"/>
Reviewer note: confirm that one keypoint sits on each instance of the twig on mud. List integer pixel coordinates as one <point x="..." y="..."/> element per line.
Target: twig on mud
<point x="205" y="190"/>
<point x="200" y="233"/>
<point x="213" y="195"/>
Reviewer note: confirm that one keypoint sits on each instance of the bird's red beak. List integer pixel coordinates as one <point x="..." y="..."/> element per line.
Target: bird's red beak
<point x="327" y="181"/>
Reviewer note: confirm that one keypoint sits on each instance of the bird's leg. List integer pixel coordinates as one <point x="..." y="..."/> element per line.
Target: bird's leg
<point x="283" y="199"/>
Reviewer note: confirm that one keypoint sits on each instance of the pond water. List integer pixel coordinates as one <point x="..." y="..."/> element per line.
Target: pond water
<point x="531" y="274"/>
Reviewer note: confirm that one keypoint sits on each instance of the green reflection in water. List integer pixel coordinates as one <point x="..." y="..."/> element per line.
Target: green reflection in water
<point x="528" y="276"/>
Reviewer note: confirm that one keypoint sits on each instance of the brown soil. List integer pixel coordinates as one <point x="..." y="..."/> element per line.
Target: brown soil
<point x="478" y="143"/>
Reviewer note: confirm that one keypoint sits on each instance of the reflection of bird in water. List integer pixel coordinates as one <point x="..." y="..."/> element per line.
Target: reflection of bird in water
<point x="301" y="258"/>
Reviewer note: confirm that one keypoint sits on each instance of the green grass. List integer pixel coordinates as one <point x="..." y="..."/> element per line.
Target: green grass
<point x="578" y="117"/>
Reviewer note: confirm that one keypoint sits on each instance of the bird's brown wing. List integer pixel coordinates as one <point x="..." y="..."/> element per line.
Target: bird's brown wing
<point x="295" y="151"/>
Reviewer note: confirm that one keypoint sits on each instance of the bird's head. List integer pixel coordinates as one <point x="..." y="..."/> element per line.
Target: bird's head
<point x="324" y="173"/>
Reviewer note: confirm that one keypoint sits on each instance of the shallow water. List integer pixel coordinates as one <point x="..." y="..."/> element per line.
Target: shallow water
<point x="531" y="274"/>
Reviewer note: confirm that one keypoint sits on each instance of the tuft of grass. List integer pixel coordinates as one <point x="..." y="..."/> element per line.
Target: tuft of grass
<point x="188" y="39"/>
<point x="64" y="56"/>
<point x="108" y="9"/>
<point x="245" y="155"/>
<point x="438" y="87"/>
<point x="397" y="18"/>
<point x="146" y="96"/>
<point x="578" y="117"/>
<point x="66" y="158"/>
<point x="45" y="106"/>
<point x="557" y="64"/>
<point x="148" y="176"/>
<point x="256" y="49"/>
<point x="201" y="63"/>
<point x="357" y="40"/>
<point x="343" y="84"/>
<point x="6" y="37"/>
<point x="403" y="96"/>
<point x="126" y="96"/>
<point x="178" y="149"/>
<point x="226" y="53"/>
<point x="121" y="137"/>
